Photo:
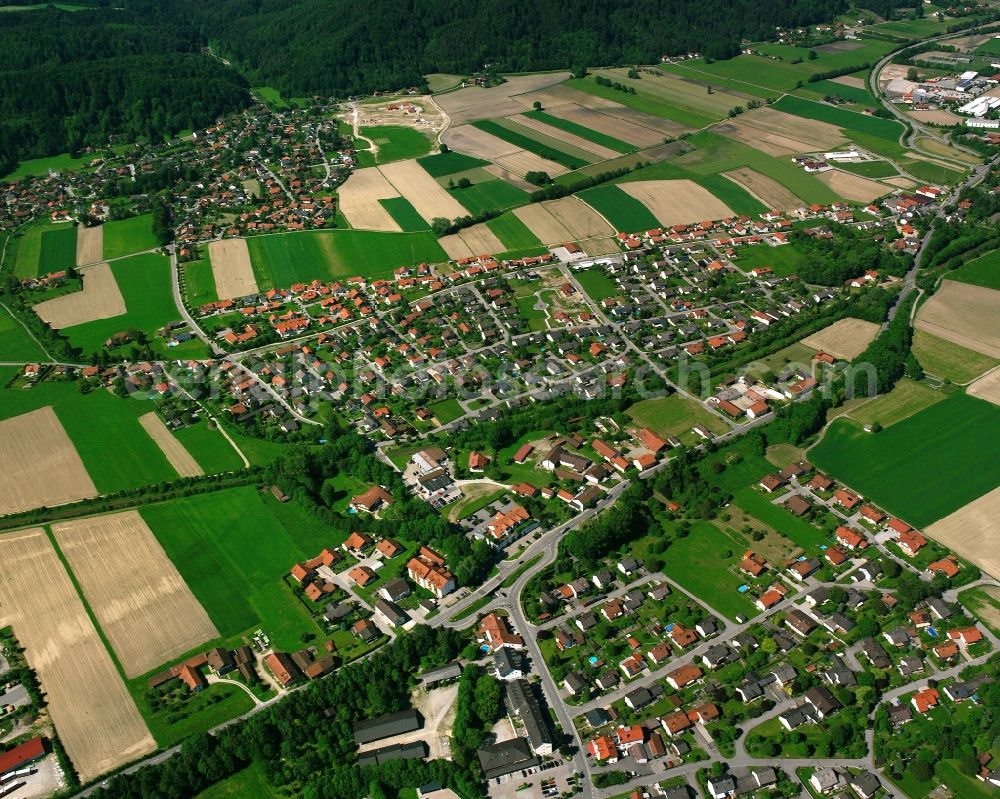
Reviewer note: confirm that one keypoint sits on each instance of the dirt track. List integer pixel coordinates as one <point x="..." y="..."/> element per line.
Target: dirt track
<point x="40" y="464"/>
<point x="93" y="712"/>
<point x="141" y="602"/>
<point x="100" y="298"/>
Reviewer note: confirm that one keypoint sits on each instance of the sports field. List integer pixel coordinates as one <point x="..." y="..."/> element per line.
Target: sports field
<point x="283" y="259"/>
<point x="904" y="468"/>
<point x="129" y="236"/>
<point x="625" y="213"/>
<point x="232" y="548"/>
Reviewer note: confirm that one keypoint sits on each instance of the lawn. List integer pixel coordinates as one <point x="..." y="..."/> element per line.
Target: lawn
<point x="985" y="603"/>
<point x="282" y="259"/>
<point x="784" y="260"/>
<point x="15" y="343"/>
<point x="798" y="530"/>
<point x="929" y="171"/>
<point x="530" y="143"/>
<point x="949" y="361"/>
<point x="207" y="446"/>
<point x="623" y="211"/>
<point x="491" y="195"/>
<point x="129" y="236"/>
<point x="904" y="468"/>
<point x="449" y="163"/>
<point x="598" y="285"/>
<point x="828" y="88"/>
<point x="233" y="549"/>
<point x="447" y="410"/>
<point x="582" y="131"/>
<point x="248" y="782"/>
<point x="144" y="281"/>
<point x="673" y="415"/>
<point x="29" y="249"/>
<point x="58" y="249"/>
<point x="983" y="271"/>
<point x="514" y="234"/>
<point x="203" y="710"/>
<point x="406" y="216"/>
<point x="125" y="459"/>
<point x="906" y="398"/>
<point x="396" y="142"/>
<point x="199" y="281"/>
<point x="697" y="563"/>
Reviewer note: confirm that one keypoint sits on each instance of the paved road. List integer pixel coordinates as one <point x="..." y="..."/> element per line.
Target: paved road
<point x="175" y="285"/>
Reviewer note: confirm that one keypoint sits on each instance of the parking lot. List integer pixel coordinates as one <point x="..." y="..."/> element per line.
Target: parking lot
<point x="546" y="781"/>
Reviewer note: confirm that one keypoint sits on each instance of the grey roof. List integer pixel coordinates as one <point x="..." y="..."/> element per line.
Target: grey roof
<point x="597" y="717"/>
<point x="387" y="726"/>
<point x="522" y="700"/>
<point x="409" y="751"/>
<point x="505" y="662"/>
<point x="449" y="672"/>
<point x="505" y="758"/>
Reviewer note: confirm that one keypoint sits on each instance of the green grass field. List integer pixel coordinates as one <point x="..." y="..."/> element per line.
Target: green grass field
<point x="213" y="453"/>
<point x="203" y="711"/>
<point x="144" y="281"/>
<point x="784" y="260"/>
<point x="447" y="410"/>
<point x="695" y="562"/>
<point x="248" y="782"/>
<point x="622" y="210"/>
<point x="449" y="163"/>
<point x="798" y="530"/>
<point x="39" y="167"/>
<point x="396" y="143"/>
<point x="646" y="101"/>
<point x="903" y="468"/>
<point x="514" y="234"/>
<point x="674" y="415"/>
<point x="878" y="134"/>
<point x="29" y="249"/>
<point x="129" y="236"/>
<point x="233" y="548"/>
<point x="582" y="131"/>
<point x="491" y="195"/>
<point x="598" y="285"/>
<point x="406" y="216"/>
<point x="929" y="171"/>
<point x="906" y="398"/>
<point x="199" y="282"/>
<point x="519" y="137"/>
<point x="870" y="169"/>
<point x="829" y="88"/>
<point x="15" y="343"/>
<point x="270" y="97"/>
<point x="280" y="260"/>
<point x="983" y="271"/>
<point x="126" y="459"/>
<point x="949" y="361"/>
<point x="58" y="249"/>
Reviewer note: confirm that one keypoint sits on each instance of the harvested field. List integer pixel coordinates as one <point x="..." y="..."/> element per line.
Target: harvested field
<point x="510" y="177"/>
<point x="937" y="117"/>
<point x="596" y="247"/>
<point x="901" y="182"/>
<point x="41" y="465"/>
<point x="424" y="193"/>
<point x="677" y="202"/>
<point x="852" y="187"/>
<point x="608" y="123"/>
<point x="231" y="268"/>
<point x="359" y="200"/>
<point x="571" y="139"/>
<point x="150" y="618"/>
<point x="987" y="387"/>
<point x="100" y="298"/>
<point x="522" y="162"/>
<point x="965" y="315"/>
<point x="478" y="143"/>
<point x="818" y="135"/>
<point x="475" y="240"/>
<point x="472" y="103"/>
<point x="89" y="244"/>
<point x="173" y="449"/>
<point x="582" y="221"/>
<point x="95" y="716"/>
<point x="850" y="80"/>
<point x="765" y="189"/>
<point x="845" y="338"/>
<point x="971" y="532"/>
<point x="543" y="224"/>
<point x="768" y="143"/>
